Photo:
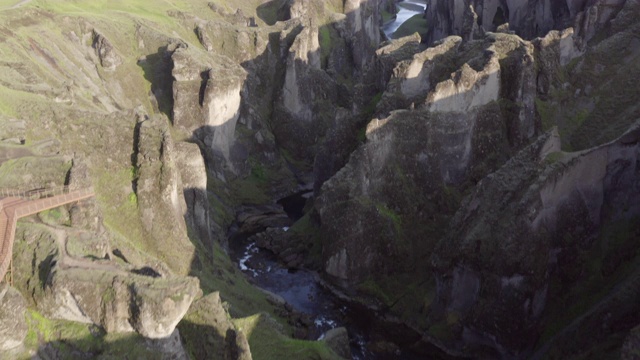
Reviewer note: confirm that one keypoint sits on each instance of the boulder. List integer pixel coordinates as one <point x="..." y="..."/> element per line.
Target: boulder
<point x="252" y="219"/>
<point x="338" y="341"/>
<point x="158" y="307"/>
<point x="203" y="37"/>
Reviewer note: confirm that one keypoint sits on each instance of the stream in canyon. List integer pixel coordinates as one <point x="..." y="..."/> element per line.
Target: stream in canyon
<point x="303" y="292"/>
<point x="370" y="338"/>
<point x="406" y="10"/>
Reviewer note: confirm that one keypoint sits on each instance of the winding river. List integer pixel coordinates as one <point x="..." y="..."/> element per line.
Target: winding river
<point x="303" y="292"/>
<point x="302" y="289"/>
<point x="406" y="10"/>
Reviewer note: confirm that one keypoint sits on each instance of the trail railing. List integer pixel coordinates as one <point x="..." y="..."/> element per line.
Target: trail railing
<point x="17" y="203"/>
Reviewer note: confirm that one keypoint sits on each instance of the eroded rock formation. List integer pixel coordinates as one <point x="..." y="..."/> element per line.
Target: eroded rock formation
<point x="119" y="302"/>
<point x="528" y="18"/>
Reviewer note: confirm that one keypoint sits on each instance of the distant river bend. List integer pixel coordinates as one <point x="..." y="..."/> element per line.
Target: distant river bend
<point x="406" y="10"/>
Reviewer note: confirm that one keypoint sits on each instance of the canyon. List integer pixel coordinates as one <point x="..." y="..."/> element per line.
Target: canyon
<point x="460" y="179"/>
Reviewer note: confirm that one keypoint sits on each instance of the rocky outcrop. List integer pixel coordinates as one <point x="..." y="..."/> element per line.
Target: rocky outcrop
<point x="554" y="51"/>
<point x="363" y="24"/>
<point x="373" y="195"/>
<point x="109" y="58"/>
<point x="210" y="334"/>
<point x="338" y="341"/>
<point x="193" y="176"/>
<point x="409" y="70"/>
<point x="528" y="18"/>
<point x="88" y="214"/>
<point x="237" y="345"/>
<point x="119" y="302"/>
<point x="299" y="9"/>
<point x="227" y="106"/>
<point x="595" y="16"/>
<point x="13" y="324"/>
<point x="304" y="55"/>
<point x="308" y="100"/>
<point x="167" y="348"/>
<point x="207" y="100"/>
<point x="159" y="191"/>
<point x="468" y="88"/>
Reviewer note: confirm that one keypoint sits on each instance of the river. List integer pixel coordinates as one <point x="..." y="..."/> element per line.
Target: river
<point x="406" y="10"/>
<point x="302" y="289"/>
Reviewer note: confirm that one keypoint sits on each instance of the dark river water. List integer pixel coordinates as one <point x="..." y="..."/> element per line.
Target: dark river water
<point x="304" y="292"/>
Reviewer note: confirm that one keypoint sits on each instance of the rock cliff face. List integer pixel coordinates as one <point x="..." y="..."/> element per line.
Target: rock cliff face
<point x="456" y="134"/>
<point x="159" y="190"/>
<point x="528" y="18"/>
<point x="151" y="307"/>
<point x="472" y="114"/>
<point x="473" y="190"/>
<point x="576" y="195"/>
<point x="308" y="99"/>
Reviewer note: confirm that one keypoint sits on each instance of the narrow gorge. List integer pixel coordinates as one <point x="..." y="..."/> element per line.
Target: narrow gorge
<point x="307" y="179"/>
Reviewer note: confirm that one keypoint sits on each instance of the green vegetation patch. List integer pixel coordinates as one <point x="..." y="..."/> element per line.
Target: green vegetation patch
<point x="73" y="340"/>
<point x="554" y="157"/>
<point x="268" y="344"/>
<point x="325" y="35"/>
<point x="55" y="216"/>
<point x="546" y="112"/>
<point x="387" y="16"/>
<point x="392" y="215"/>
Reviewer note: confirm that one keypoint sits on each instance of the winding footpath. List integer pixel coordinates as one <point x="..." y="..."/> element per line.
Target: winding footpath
<point x="18" y="204"/>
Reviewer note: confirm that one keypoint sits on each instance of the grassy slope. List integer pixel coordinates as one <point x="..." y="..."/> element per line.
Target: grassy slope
<point x="37" y="36"/>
